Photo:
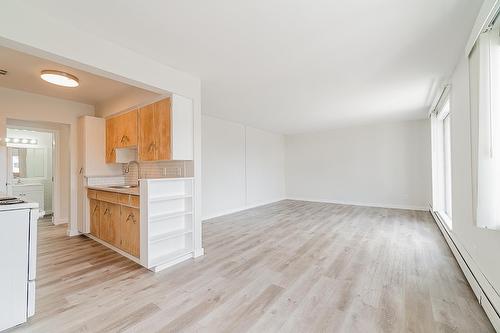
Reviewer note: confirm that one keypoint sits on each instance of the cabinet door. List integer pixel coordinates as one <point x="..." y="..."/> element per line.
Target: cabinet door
<point x="164" y="137"/>
<point x="147" y="133"/>
<point x="94" y="217"/>
<point x="111" y="140"/>
<point x="110" y="223"/>
<point x="130" y="230"/>
<point x="126" y="129"/>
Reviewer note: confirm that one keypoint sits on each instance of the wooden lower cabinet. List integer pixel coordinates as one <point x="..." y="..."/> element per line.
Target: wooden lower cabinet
<point x="109" y="223"/>
<point x="130" y="230"/>
<point x="94" y="217"/>
<point x="116" y="220"/>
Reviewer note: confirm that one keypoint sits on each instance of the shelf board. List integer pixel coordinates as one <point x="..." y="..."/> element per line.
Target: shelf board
<point x="164" y="216"/>
<point x="169" y="197"/>
<point x="163" y="259"/>
<point x="169" y="235"/>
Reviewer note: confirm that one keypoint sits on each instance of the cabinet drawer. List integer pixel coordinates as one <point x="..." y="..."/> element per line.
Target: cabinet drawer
<point x="123" y="199"/>
<point x="107" y="196"/>
<point x="135" y="201"/>
<point x="92" y="194"/>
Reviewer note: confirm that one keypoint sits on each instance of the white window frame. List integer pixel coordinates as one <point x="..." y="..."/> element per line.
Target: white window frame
<point x="441" y="164"/>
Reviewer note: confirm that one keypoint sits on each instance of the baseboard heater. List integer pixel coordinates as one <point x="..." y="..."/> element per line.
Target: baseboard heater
<point x="476" y="286"/>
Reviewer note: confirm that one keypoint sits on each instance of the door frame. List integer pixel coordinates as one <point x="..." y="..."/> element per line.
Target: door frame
<point x="56" y="166"/>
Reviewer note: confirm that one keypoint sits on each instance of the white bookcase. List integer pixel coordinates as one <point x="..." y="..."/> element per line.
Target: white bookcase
<point x="166" y="222"/>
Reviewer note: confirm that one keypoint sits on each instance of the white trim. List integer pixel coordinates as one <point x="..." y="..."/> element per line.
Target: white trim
<point x="441" y="96"/>
<point x="338" y="202"/>
<point x="239" y="209"/>
<point x="486" y="14"/>
<point x="365" y="204"/>
<point x="176" y="261"/>
<point x="481" y="287"/>
<point x="199" y="252"/>
<point x="72" y="232"/>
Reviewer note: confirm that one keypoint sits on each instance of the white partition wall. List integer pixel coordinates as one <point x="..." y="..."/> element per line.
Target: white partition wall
<point x="243" y="167"/>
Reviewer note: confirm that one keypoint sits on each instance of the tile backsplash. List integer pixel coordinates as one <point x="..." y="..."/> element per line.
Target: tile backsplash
<point x="163" y="169"/>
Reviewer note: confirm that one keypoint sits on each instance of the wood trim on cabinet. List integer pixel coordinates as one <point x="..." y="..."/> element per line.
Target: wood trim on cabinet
<point x="163" y="116"/>
<point x="147" y="133"/>
<point x="94" y="217"/>
<point x="107" y="196"/>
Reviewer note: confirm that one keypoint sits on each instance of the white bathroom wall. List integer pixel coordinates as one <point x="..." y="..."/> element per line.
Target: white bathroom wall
<point x="379" y="164"/>
<point x="242" y="167"/>
<point x="44" y="141"/>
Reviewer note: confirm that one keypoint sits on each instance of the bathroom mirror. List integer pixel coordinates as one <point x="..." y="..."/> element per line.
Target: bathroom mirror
<point x="27" y="162"/>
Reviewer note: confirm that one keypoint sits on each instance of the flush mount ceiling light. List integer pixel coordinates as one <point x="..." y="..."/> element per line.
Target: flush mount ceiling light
<point x="59" y="78"/>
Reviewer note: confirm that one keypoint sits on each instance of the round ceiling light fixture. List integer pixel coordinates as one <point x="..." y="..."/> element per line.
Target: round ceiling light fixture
<point x="60" y="78"/>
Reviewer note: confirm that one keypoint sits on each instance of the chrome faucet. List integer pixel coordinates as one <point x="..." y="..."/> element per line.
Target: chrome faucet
<point x="127" y="169"/>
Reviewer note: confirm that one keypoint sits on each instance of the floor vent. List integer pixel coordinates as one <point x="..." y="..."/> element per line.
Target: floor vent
<point x="3" y="72"/>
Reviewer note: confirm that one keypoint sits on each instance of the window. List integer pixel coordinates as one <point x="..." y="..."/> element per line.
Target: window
<point x="484" y="71"/>
<point x="441" y="165"/>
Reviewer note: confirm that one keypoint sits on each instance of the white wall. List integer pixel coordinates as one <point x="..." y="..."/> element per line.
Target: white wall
<point x="19" y="105"/>
<point x="480" y="247"/>
<point x="265" y="167"/>
<point x="125" y="101"/>
<point x="242" y="167"/>
<point x="44" y="141"/>
<point x="381" y="164"/>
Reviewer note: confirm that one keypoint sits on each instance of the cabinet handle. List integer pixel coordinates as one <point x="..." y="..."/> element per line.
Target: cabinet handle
<point x="106" y="212"/>
<point x="152" y="146"/>
<point x="124" y="139"/>
<point x="131" y="216"/>
<point x="95" y="208"/>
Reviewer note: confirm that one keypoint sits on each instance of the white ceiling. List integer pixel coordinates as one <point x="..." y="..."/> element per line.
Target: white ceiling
<point x="24" y="74"/>
<point x="292" y="65"/>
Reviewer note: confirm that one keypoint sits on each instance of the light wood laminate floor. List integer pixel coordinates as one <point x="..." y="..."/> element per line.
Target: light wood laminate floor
<point x="287" y="267"/>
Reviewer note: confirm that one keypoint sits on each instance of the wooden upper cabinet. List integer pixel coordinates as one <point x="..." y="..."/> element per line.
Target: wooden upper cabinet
<point x="121" y="132"/>
<point x="126" y="130"/>
<point x="161" y="131"/>
<point x="155" y="143"/>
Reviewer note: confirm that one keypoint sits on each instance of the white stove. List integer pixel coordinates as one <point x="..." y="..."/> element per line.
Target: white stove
<point x="18" y="240"/>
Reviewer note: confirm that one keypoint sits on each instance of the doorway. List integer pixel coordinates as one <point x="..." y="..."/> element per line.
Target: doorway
<point x="34" y="168"/>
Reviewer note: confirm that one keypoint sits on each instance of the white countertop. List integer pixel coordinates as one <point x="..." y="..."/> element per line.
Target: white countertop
<point x="25" y="205"/>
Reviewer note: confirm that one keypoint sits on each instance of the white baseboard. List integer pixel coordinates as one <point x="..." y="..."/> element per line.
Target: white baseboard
<point x="239" y="209"/>
<point x="484" y="291"/>
<point x="199" y="252"/>
<point x="72" y="232"/>
<point x="364" y="204"/>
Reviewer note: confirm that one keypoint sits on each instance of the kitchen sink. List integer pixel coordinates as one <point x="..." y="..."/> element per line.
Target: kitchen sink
<point x="123" y="186"/>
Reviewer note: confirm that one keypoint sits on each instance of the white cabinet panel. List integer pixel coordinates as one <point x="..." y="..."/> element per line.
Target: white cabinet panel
<point x="182" y="128"/>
